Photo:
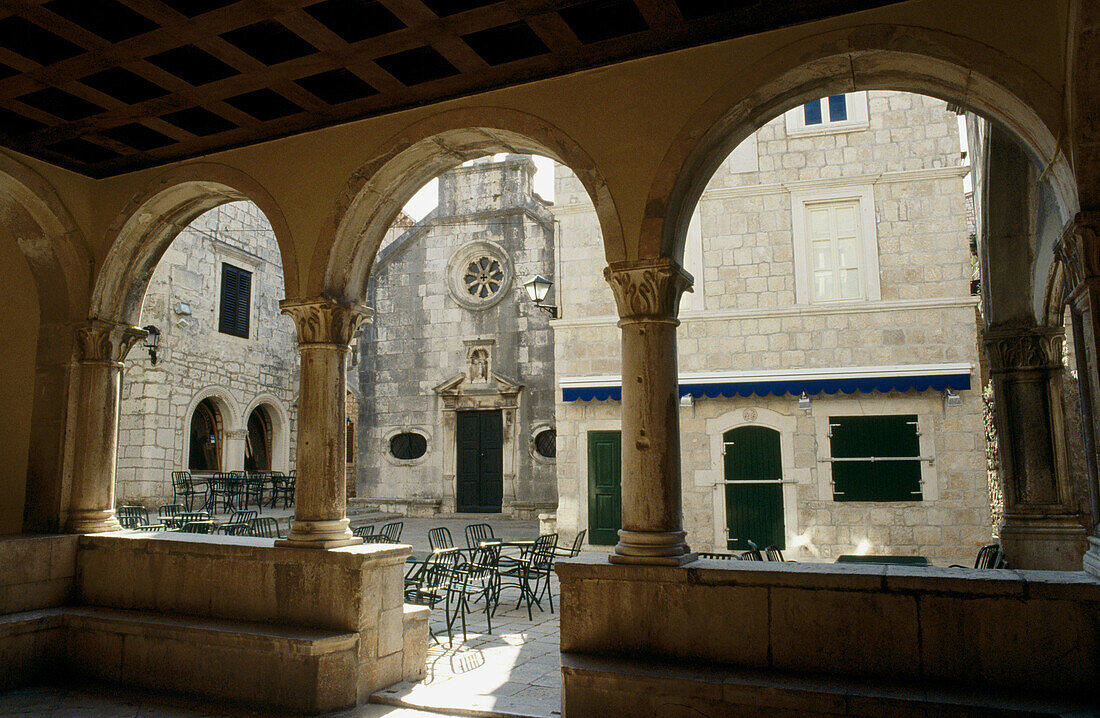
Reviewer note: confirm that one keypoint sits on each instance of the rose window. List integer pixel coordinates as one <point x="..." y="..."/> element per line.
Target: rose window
<point x="483" y="278"/>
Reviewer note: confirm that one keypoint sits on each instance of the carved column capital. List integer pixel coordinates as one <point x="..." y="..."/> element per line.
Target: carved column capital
<point x="1079" y="250"/>
<point x="323" y="320"/>
<point x="648" y="289"/>
<point x="1017" y="349"/>
<point x="109" y="342"/>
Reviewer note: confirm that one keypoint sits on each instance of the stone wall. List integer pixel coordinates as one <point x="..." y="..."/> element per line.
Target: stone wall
<point x="196" y="361"/>
<point x="749" y="313"/>
<point x="434" y="348"/>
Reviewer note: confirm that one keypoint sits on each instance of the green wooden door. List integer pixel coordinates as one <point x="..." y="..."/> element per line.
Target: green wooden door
<point x="480" y="471"/>
<point x="605" y="514"/>
<point x="754" y="505"/>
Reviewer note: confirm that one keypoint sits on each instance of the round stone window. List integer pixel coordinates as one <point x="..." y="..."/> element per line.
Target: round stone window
<point x="484" y="277"/>
<point x="408" y="446"/>
<point x="546" y="443"/>
<point x="479" y="275"/>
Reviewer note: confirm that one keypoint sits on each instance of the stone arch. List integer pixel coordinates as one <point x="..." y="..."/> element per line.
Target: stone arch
<point x="280" y="428"/>
<point x="229" y="414"/>
<point x="381" y="187"/>
<point x="911" y="59"/>
<point x="59" y="261"/>
<point x="145" y="228"/>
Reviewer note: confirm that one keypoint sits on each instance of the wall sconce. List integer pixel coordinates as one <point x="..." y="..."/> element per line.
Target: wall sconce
<point x="537" y="288"/>
<point x="950" y="398"/>
<point x="687" y="401"/>
<point x="804" y="402"/>
<point x="152" y="341"/>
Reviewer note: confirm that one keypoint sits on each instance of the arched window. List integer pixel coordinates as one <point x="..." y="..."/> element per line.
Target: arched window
<point x="257" y="448"/>
<point x="206" y="439"/>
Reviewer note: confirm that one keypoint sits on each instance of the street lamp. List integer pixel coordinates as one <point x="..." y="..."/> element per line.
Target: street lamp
<point x="537" y="287"/>
<point x="152" y="340"/>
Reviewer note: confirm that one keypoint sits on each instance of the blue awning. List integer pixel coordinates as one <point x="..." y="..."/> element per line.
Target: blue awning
<point x="936" y="377"/>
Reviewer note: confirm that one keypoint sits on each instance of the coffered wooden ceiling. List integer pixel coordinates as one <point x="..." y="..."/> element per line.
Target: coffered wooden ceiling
<point x="108" y="86"/>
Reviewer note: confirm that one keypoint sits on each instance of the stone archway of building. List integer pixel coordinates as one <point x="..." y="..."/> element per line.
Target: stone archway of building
<point x="146" y="227"/>
<point x="45" y="234"/>
<point x="930" y="63"/>
<point x="216" y="406"/>
<point x="377" y="192"/>
<point x="276" y="417"/>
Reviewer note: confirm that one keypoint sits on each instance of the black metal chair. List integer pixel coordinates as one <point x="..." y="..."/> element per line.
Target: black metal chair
<point x="184" y="490"/>
<point x="282" y="488"/>
<point x="132" y="516"/>
<point x="199" y="527"/>
<point x="470" y="582"/>
<point x="575" y="549"/>
<point x="392" y="531"/>
<point x="774" y="553"/>
<point x="440" y="538"/>
<point x="266" y="527"/>
<point x="237" y="525"/>
<point x="363" y="531"/>
<point x="252" y="489"/>
<point x="989" y="556"/>
<point x="476" y="534"/>
<point x="531" y="573"/>
<point x="223" y="492"/>
<point x="169" y="511"/>
<point x="430" y="585"/>
<point x="753" y="554"/>
<point x="720" y="556"/>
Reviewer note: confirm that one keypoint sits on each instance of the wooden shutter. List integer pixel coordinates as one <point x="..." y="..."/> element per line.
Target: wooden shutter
<point x="885" y="439"/>
<point x="236" y="297"/>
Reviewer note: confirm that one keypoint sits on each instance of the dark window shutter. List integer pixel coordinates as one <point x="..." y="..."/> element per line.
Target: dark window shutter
<point x="235" y="301"/>
<point x="878" y="437"/>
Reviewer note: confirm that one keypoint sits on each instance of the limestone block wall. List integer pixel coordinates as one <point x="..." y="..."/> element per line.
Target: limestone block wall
<point x="426" y="325"/>
<point x="749" y="313"/>
<point x="196" y="361"/>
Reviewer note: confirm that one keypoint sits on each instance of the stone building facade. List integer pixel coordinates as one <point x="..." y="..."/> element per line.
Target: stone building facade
<point x="829" y="251"/>
<point x="457" y="368"/>
<point x="214" y="400"/>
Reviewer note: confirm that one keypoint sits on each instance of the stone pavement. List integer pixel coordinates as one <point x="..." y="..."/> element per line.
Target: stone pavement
<point x="515" y="671"/>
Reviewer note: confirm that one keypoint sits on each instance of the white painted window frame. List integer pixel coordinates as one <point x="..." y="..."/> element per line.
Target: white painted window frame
<point x="869" y="264"/>
<point x="858" y="118"/>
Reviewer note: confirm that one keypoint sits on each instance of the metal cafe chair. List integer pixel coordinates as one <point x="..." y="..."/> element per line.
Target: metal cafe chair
<point x="184" y="490"/>
<point x="429" y="586"/>
<point x="137" y="517"/>
<point x="989" y="556"/>
<point x="199" y="527"/>
<point x="774" y="553"/>
<point x="392" y="531"/>
<point x="223" y="492"/>
<point x="266" y="527"/>
<point x="476" y="534"/>
<point x="720" y="556"/>
<point x="575" y="549"/>
<point x="440" y="538"/>
<point x="363" y="531"/>
<point x="531" y="573"/>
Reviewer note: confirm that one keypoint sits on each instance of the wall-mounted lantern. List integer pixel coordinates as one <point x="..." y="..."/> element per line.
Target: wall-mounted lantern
<point x="152" y="341"/>
<point x="537" y="287"/>
<point x="950" y="398"/>
<point x="804" y="402"/>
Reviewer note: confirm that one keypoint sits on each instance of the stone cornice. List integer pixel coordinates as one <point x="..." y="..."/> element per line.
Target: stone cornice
<point x="754" y="190"/>
<point x="323" y="320"/>
<point x="647" y="289"/>
<point x="1020" y="349"/>
<point x="1079" y="250"/>
<point x="794" y="310"/>
<point x="103" y="341"/>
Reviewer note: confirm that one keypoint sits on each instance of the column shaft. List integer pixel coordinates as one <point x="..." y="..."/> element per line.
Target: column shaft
<point x="325" y="330"/>
<point x="1041" y="528"/>
<point x="103" y="346"/>
<point x="648" y="295"/>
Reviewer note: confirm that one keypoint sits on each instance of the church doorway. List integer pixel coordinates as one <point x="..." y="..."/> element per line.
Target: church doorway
<point x="257" y="448"/>
<point x="480" y="454"/>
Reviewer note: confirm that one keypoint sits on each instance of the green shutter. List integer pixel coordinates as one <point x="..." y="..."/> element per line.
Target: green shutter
<point x="604" y="493"/>
<point x="754" y="511"/>
<point x="878" y="437"/>
<point x="236" y="295"/>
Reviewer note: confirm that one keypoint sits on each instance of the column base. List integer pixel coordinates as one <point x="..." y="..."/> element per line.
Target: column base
<point x="1092" y="557"/>
<point x="654" y="548"/>
<point x="319" y="534"/>
<point x="1047" y="543"/>
<point x="94" y="521"/>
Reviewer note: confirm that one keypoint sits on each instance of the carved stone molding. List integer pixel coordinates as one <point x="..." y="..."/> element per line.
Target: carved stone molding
<point x="1023" y="349"/>
<point x="324" y="320"/>
<point x="1079" y="250"/>
<point x="103" y="341"/>
<point x="648" y="289"/>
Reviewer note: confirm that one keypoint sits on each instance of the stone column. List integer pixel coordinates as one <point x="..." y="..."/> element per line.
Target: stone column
<point x="1041" y="529"/>
<point x="1079" y="252"/>
<point x="233" y="454"/>
<point x="325" y="329"/>
<point x="102" y="345"/>
<point x="647" y="293"/>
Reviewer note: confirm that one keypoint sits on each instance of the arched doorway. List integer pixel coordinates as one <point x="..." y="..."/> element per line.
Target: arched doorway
<point x="207" y="438"/>
<point x="257" y="448"/>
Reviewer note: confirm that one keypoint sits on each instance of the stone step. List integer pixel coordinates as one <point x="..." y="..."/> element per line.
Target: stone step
<point x="451" y="699"/>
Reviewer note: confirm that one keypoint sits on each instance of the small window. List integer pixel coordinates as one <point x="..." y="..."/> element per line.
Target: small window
<point x="546" y="443"/>
<point x="812" y="112"/>
<point x="408" y="445"/>
<point x="838" y="108"/>
<point x="235" y="301"/>
<point x="835" y="250"/>
<point x="875" y="458"/>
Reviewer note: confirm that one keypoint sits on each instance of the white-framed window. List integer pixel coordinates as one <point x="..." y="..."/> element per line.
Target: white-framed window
<point x="835" y="245"/>
<point x="836" y="113"/>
